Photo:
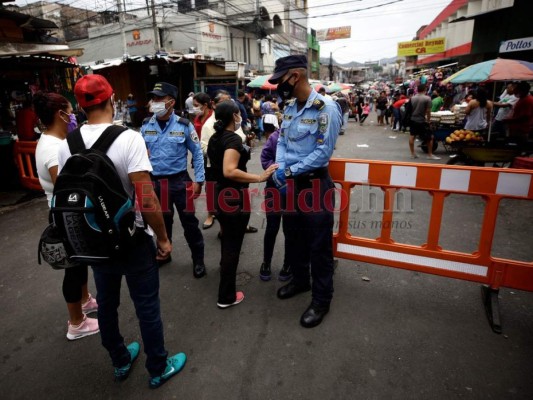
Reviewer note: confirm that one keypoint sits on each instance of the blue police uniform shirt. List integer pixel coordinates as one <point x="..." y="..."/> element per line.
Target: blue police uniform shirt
<point x="168" y="147"/>
<point x="307" y="137"/>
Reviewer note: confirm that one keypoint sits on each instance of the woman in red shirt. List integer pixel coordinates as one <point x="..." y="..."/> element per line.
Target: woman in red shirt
<point x="202" y="108"/>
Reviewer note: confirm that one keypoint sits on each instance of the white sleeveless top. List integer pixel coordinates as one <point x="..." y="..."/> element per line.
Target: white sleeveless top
<point x="476" y="120"/>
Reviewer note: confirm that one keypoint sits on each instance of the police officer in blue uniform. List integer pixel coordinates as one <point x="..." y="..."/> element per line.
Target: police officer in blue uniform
<point x="310" y="127"/>
<point x="168" y="138"/>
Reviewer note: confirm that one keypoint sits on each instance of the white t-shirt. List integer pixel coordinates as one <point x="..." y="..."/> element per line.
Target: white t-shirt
<point x="504" y="112"/>
<point x="208" y="130"/>
<point x="46" y="158"/>
<point x="128" y="153"/>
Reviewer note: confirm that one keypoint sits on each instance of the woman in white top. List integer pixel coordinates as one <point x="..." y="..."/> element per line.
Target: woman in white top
<point x="478" y="111"/>
<point x="55" y="113"/>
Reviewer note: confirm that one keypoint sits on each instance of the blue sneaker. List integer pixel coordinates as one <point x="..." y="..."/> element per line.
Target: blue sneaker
<point x="174" y="365"/>
<point x="122" y="373"/>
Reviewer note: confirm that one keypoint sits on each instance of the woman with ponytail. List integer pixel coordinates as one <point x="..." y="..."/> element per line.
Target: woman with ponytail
<point x="228" y="157"/>
<point x="55" y="113"/>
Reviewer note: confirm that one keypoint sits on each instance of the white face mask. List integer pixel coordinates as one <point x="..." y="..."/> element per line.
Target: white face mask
<point x="159" y="108"/>
<point x="197" y="110"/>
<point x="238" y="124"/>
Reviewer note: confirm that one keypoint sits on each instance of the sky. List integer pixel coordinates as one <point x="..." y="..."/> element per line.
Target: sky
<point x="376" y="31"/>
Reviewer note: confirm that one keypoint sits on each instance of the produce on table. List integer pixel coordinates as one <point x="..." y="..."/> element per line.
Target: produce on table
<point x="465" y="136"/>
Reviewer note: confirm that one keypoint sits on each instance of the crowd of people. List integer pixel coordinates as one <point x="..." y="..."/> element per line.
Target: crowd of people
<point x="154" y="166"/>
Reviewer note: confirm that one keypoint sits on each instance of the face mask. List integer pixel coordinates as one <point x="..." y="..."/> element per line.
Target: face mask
<point x="197" y="110"/>
<point x="159" y="108"/>
<point x="72" y="123"/>
<point x="238" y="124"/>
<point x="285" y="89"/>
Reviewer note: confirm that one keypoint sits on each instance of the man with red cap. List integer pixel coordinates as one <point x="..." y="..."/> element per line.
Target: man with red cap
<point x="128" y="154"/>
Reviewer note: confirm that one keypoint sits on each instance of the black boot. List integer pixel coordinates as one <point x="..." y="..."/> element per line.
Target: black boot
<point x="264" y="272"/>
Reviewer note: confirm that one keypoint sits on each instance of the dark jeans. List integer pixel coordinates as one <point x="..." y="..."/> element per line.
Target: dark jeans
<point x="313" y="236"/>
<point x="142" y="276"/>
<point x="274" y="218"/>
<point x="233" y="225"/>
<point x="73" y="281"/>
<point x="397" y="119"/>
<point x="172" y="192"/>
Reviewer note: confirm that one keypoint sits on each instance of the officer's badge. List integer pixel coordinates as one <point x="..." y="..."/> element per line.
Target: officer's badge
<point x="318" y="104"/>
<point x="150" y="133"/>
<point x="194" y="137"/>
<point x="287" y="117"/>
<point x="176" y="134"/>
<point x="320" y="138"/>
<point x="323" y="122"/>
<point x="307" y="121"/>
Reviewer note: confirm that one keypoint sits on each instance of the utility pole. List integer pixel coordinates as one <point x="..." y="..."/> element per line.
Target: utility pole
<point x="121" y="24"/>
<point x="156" y="29"/>
<point x="259" y="35"/>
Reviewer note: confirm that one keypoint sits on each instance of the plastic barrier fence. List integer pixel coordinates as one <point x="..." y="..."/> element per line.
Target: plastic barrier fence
<point x="24" y="153"/>
<point x="492" y="184"/>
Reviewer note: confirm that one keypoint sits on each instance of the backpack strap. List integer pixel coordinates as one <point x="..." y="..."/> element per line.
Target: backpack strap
<point x="107" y="137"/>
<point x="75" y="141"/>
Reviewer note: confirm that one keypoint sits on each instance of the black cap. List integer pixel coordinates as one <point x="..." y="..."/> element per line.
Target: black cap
<point x="162" y="89"/>
<point x="284" y="64"/>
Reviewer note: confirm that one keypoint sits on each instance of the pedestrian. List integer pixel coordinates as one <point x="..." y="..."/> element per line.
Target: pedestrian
<point x="189" y="107"/>
<point x="366" y="113"/>
<point x="56" y="114"/>
<point x="228" y="158"/>
<point x="505" y="106"/>
<point x="169" y="139"/>
<point x="137" y="264"/>
<point x="381" y="107"/>
<point x="274" y="212"/>
<point x="208" y="130"/>
<point x="396" y="109"/>
<point x="345" y="110"/>
<point x="521" y="120"/>
<point x="478" y="111"/>
<point x="202" y="111"/>
<point x="419" y="122"/>
<point x="131" y="105"/>
<point x="309" y="130"/>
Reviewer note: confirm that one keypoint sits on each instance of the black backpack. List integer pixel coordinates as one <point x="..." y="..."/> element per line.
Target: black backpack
<point x="408" y="107"/>
<point x="90" y="207"/>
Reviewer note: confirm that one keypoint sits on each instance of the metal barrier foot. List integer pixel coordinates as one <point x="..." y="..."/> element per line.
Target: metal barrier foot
<point x="492" y="307"/>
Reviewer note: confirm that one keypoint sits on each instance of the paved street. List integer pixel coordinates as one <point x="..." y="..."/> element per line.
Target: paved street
<point x="393" y="335"/>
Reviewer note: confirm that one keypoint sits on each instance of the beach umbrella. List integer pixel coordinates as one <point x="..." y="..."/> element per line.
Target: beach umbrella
<point x="261" y="82"/>
<point x="500" y="69"/>
<point x="337" y="87"/>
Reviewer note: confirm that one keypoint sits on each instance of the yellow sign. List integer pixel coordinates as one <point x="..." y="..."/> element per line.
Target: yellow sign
<point x="422" y="47"/>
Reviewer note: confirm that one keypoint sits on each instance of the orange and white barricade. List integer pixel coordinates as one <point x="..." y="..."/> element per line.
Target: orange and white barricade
<point x="24" y="153"/>
<point x="491" y="184"/>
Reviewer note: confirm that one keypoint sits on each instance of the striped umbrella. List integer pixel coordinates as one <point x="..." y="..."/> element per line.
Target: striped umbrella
<point x="261" y="82"/>
<point x="500" y="69"/>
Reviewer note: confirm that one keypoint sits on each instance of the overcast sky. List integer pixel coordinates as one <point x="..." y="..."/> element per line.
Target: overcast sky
<point x="375" y="31"/>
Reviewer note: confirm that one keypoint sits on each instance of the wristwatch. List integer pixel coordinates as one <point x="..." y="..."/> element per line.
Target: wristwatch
<point x="288" y="172"/>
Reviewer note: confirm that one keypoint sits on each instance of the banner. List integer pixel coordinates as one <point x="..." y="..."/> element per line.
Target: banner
<point x="422" y="47"/>
<point x="516" y="45"/>
<point x="341" y="32"/>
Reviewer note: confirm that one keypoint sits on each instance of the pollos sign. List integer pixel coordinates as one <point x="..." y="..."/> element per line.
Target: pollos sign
<point x="522" y="44"/>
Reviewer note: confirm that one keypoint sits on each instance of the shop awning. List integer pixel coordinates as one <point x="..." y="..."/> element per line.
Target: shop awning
<point x="18" y="49"/>
<point x="479" y="15"/>
<point x="33" y="61"/>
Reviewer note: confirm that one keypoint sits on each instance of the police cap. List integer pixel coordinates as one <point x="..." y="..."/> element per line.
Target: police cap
<point x="286" y="63"/>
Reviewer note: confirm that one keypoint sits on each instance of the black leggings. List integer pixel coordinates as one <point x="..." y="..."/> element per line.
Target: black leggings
<point x="73" y="281"/>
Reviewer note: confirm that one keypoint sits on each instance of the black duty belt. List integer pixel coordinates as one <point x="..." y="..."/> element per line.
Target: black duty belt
<point x="317" y="173"/>
<point x="159" y="177"/>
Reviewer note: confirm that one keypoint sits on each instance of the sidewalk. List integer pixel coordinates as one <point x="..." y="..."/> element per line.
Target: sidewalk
<point x="393" y="335"/>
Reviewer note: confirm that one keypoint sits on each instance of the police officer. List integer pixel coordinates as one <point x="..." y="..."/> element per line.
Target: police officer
<point x="309" y="130"/>
<point x="168" y="138"/>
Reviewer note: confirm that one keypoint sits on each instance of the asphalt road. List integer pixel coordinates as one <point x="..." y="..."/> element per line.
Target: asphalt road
<point x="393" y="335"/>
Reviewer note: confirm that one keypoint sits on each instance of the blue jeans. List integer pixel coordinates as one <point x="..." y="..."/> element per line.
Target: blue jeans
<point x="142" y="276"/>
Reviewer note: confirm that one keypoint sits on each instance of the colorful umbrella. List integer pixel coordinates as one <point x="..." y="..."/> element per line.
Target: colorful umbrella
<point x="261" y="82"/>
<point x="337" y="87"/>
<point x="500" y="69"/>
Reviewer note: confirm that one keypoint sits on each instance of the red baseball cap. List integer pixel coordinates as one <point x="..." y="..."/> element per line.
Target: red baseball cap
<point x="92" y="89"/>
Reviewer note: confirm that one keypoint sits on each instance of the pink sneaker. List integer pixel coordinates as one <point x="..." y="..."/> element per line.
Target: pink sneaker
<point x="90" y="305"/>
<point x="239" y="297"/>
<point x="88" y="327"/>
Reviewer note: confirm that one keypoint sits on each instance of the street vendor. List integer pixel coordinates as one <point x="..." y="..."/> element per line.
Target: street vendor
<point x="521" y="122"/>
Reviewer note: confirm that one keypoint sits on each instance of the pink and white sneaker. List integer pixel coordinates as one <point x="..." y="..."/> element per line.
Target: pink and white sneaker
<point x="88" y="327"/>
<point x="90" y="305"/>
<point x="239" y="297"/>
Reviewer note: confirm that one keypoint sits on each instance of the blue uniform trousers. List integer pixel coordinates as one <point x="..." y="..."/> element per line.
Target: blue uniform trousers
<point x="142" y="276"/>
<point x="309" y="222"/>
<point x="172" y="192"/>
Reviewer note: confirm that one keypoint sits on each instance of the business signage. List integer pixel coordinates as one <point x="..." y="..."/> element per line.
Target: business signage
<point x="231" y="66"/>
<point x="516" y="45"/>
<point x="341" y="32"/>
<point x="422" y="47"/>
